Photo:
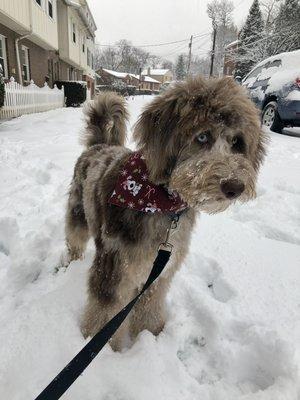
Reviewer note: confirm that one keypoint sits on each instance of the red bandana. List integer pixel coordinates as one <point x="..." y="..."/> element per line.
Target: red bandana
<point x="133" y="190"/>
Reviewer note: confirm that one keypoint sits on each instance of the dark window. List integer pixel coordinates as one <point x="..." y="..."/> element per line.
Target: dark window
<point x="39" y="2"/>
<point x="88" y="58"/>
<point x="24" y="56"/>
<point x="74" y="33"/>
<point x="3" y="58"/>
<point x="275" y="63"/>
<point x="50" y="8"/>
<point x="83" y="47"/>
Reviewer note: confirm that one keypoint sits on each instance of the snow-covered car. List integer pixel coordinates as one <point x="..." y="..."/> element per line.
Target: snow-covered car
<point x="274" y="86"/>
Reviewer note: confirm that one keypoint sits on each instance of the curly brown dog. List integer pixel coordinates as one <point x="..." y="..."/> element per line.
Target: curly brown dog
<point x="203" y="140"/>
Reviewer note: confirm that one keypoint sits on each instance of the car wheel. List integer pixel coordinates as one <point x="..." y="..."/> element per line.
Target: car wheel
<point x="271" y="118"/>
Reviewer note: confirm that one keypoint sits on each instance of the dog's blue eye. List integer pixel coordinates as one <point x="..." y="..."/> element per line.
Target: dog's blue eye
<point x="202" y="138"/>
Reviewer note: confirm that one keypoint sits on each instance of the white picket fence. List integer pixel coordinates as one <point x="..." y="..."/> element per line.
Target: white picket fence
<point x="30" y="99"/>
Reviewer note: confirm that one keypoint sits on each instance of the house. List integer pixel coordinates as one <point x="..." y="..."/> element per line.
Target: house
<point x="230" y="58"/>
<point x="29" y="40"/>
<point x="161" y="75"/>
<point x="47" y="40"/>
<point x="76" y="41"/>
<point x="108" y="77"/>
<point x="146" y="82"/>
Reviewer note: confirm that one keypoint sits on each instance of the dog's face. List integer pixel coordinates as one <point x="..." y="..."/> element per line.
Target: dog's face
<point x="203" y="139"/>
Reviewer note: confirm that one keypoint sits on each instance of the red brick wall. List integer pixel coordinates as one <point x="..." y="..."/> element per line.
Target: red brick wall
<point x="90" y="84"/>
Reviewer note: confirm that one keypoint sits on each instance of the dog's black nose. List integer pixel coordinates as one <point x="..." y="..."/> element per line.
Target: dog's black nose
<point x="232" y="188"/>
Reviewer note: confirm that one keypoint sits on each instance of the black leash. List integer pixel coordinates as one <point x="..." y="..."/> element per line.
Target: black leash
<point x="61" y="383"/>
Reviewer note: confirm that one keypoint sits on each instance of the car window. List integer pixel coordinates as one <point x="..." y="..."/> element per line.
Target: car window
<point x="275" y="63"/>
<point x="270" y="69"/>
<point x="255" y="73"/>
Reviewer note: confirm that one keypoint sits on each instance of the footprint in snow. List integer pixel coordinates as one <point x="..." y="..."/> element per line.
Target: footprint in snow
<point x="221" y="290"/>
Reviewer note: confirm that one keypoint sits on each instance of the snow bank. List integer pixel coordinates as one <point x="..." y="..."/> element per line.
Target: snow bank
<point x="233" y="330"/>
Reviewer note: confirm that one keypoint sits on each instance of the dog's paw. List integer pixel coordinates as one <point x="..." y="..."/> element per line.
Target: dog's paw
<point x="64" y="261"/>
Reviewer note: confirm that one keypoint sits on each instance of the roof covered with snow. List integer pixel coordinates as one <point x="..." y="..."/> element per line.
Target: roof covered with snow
<point x="157" y="71"/>
<point x="115" y="73"/>
<point x="232" y="44"/>
<point x="145" y="78"/>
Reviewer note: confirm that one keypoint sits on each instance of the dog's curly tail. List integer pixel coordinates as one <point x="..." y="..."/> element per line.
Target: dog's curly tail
<point x="106" y="118"/>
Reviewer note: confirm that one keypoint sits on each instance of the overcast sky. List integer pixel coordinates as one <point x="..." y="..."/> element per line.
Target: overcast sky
<point x="158" y="21"/>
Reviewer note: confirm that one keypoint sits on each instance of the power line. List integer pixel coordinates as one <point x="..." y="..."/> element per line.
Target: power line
<point x="156" y="44"/>
<point x="181" y="47"/>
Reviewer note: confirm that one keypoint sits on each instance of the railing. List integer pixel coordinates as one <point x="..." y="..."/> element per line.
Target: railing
<point x="30" y="99"/>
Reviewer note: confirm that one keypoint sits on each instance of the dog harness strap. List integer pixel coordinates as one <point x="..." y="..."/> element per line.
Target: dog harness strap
<point x="61" y="383"/>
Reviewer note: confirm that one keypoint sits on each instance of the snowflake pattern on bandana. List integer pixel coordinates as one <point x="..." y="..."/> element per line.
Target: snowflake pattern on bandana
<point x="134" y="190"/>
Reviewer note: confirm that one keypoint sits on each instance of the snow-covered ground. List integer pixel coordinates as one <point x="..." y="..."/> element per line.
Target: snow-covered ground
<point x="233" y="330"/>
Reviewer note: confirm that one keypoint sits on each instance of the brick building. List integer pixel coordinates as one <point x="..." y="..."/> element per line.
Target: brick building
<point x="230" y="58"/>
<point x="47" y="40"/>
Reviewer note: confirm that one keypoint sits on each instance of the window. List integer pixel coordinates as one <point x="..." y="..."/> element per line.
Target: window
<point x="25" y="63"/>
<point x="56" y="71"/>
<point x="255" y="72"/>
<point x="275" y="63"/>
<point x="3" y="59"/>
<point x="71" y="71"/>
<point x="88" y="58"/>
<point x="39" y="2"/>
<point x="50" y="8"/>
<point x="74" y="32"/>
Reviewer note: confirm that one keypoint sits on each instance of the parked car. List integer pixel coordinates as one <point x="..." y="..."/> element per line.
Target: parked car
<point x="274" y="86"/>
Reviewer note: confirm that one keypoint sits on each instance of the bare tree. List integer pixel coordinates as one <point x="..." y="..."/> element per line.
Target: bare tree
<point x="166" y="64"/>
<point x="220" y="13"/>
<point x="123" y="57"/>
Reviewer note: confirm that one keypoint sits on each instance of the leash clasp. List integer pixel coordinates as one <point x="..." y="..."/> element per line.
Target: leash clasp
<point x="166" y="245"/>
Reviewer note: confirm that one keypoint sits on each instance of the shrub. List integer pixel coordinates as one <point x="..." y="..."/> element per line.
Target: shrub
<point x="124" y="90"/>
<point x="2" y="88"/>
<point x="146" y="91"/>
<point x="75" y="92"/>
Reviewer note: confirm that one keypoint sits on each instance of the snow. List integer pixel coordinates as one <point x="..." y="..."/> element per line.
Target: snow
<point x="157" y="71"/>
<point x="233" y="330"/>
<point x="293" y="95"/>
<point x="145" y="78"/>
<point x="232" y="44"/>
<point x="115" y="73"/>
<point x="278" y="76"/>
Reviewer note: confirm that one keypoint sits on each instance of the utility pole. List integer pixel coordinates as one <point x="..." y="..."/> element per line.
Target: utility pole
<point x="190" y="55"/>
<point x="213" y="50"/>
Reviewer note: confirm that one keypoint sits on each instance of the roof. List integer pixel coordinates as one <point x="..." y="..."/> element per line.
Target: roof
<point x="146" y="78"/>
<point x="115" y="73"/>
<point x="155" y="71"/>
<point x="232" y="44"/>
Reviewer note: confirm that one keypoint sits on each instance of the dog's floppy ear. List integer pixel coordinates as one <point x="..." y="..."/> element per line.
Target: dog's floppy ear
<point x="155" y="134"/>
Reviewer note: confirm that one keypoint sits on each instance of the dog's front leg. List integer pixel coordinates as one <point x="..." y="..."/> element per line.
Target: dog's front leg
<point x="109" y="291"/>
<point x="97" y="313"/>
<point x="149" y="313"/>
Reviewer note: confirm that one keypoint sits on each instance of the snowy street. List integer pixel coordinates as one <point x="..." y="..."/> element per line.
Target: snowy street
<point x="233" y="330"/>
